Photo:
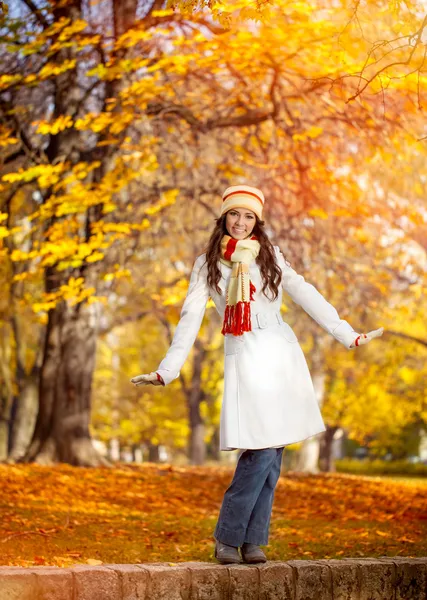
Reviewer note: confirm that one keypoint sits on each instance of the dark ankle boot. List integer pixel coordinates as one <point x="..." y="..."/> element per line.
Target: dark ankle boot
<point x="226" y="554"/>
<point x="253" y="554"/>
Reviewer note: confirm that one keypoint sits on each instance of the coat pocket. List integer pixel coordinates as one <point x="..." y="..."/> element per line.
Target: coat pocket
<point x="288" y="333"/>
<point x="232" y="344"/>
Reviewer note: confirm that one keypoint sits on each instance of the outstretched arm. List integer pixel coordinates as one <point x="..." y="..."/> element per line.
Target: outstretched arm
<point x="312" y="301"/>
<point x="186" y="331"/>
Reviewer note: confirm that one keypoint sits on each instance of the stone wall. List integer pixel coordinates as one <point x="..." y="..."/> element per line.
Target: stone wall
<point x="394" y="578"/>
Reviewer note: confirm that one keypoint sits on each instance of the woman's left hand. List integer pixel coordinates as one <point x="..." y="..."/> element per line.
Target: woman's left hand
<point x="152" y="378"/>
<point x="364" y="338"/>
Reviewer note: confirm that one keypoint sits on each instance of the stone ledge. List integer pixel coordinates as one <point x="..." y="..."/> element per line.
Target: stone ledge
<point x="385" y="578"/>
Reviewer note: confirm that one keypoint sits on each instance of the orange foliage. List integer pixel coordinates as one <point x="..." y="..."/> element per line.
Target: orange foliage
<point x="143" y="513"/>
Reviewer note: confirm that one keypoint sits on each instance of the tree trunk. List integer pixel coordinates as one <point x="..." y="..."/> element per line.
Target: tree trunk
<point x="113" y="450"/>
<point x="4" y="433"/>
<point x="136" y="453"/>
<point x="5" y="412"/>
<point x="24" y="415"/>
<point x="308" y="458"/>
<point x="197" y="446"/>
<point x="62" y="427"/>
<point x="197" y="440"/>
<point x="214" y="451"/>
<point x="327" y="461"/>
<point x="6" y="395"/>
<point x="153" y="453"/>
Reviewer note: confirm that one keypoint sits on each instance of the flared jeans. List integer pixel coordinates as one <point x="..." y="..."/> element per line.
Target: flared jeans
<point x="246" y="508"/>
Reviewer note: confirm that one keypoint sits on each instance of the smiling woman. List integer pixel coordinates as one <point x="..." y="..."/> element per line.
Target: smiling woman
<point x="269" y="399"/>
<point x="240" y="223"/>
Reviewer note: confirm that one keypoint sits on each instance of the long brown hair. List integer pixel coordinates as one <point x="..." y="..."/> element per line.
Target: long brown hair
<point x="271" y="273"/>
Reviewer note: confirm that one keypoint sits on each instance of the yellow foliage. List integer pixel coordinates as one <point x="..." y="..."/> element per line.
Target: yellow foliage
<point x="44" y="306"/>
<point x="167" y="199"/>
<point x="361" y="235"/>
<point x="163" y="13"/>
<point x="132" y="37"/>
<point x="22" y="276"/>
<point x="7" y="80"/>
<point x="72" y="292"/>
<point x="318" y="212"/>
<point x="99" y="71"/>
<point x="46" y="175"/>
<point x="118" y="274"/>
<point x="95" y="257"/>
<point x="59" y="124"/>
<point x="230" y="75"/>
<point x="68" y="32"/>
<point x="54" y="69"/>
<point x="311" y="133"/>
<point x="408" y="375"/>
<point x="95" y="299"/>
<point x="115" y="227"/>
<point x="6" y="137"/>
<point x="94" y="122"/>
<point x="21" y="255"/>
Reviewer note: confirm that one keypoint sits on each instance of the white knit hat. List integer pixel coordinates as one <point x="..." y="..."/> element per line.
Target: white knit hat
<point x="243" y="196"/>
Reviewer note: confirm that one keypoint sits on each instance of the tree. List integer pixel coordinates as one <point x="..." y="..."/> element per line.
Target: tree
<point x="64" y="175"/>
<point x="87" y="119"/>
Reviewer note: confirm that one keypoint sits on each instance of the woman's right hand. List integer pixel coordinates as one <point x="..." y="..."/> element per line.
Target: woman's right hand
<point x="147" y="379"/>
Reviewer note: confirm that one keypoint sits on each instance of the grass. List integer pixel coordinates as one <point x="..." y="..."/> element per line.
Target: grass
<point x="406" y="479"/>
<point x="381" y="467"/>
<point x="64" y="515"/>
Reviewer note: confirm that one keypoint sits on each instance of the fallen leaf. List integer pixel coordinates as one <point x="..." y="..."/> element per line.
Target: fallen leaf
<point x="94" y="562"/>
<point x="382" y="533"/>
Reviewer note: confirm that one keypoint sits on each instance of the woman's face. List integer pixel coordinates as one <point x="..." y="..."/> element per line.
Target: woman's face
<point x="240" y="223"/>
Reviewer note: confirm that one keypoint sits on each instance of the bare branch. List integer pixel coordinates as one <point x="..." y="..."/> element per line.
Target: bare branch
<point x="37" y="13"/>
<point x="416" y="38"/>
<point x="408" y="337"/>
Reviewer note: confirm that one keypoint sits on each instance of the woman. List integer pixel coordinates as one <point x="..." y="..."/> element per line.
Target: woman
<point x="269" y="399"/>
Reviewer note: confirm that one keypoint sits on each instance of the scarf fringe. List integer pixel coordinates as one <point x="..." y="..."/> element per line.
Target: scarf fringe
<point x="237" y="317"/>
<point x="252" y="290"/>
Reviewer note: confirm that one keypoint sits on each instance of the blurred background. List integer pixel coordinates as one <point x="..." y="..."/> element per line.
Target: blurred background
<point x="122" y="122"/>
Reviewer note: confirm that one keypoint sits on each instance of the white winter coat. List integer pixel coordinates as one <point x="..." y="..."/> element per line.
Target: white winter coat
<point x="269" y="399"/>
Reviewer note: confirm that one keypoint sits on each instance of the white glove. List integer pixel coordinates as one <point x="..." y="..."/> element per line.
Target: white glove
<point x="147" y="379"/>
<point x="364" y="338"/>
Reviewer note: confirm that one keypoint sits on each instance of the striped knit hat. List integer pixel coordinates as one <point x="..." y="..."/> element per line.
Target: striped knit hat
<point x="243" y="196"/>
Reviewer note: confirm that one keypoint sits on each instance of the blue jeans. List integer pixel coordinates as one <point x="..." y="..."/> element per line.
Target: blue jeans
<point x="246" y="508"/>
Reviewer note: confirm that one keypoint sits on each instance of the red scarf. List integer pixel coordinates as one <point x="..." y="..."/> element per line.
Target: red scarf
<point x="238" y="254"/>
